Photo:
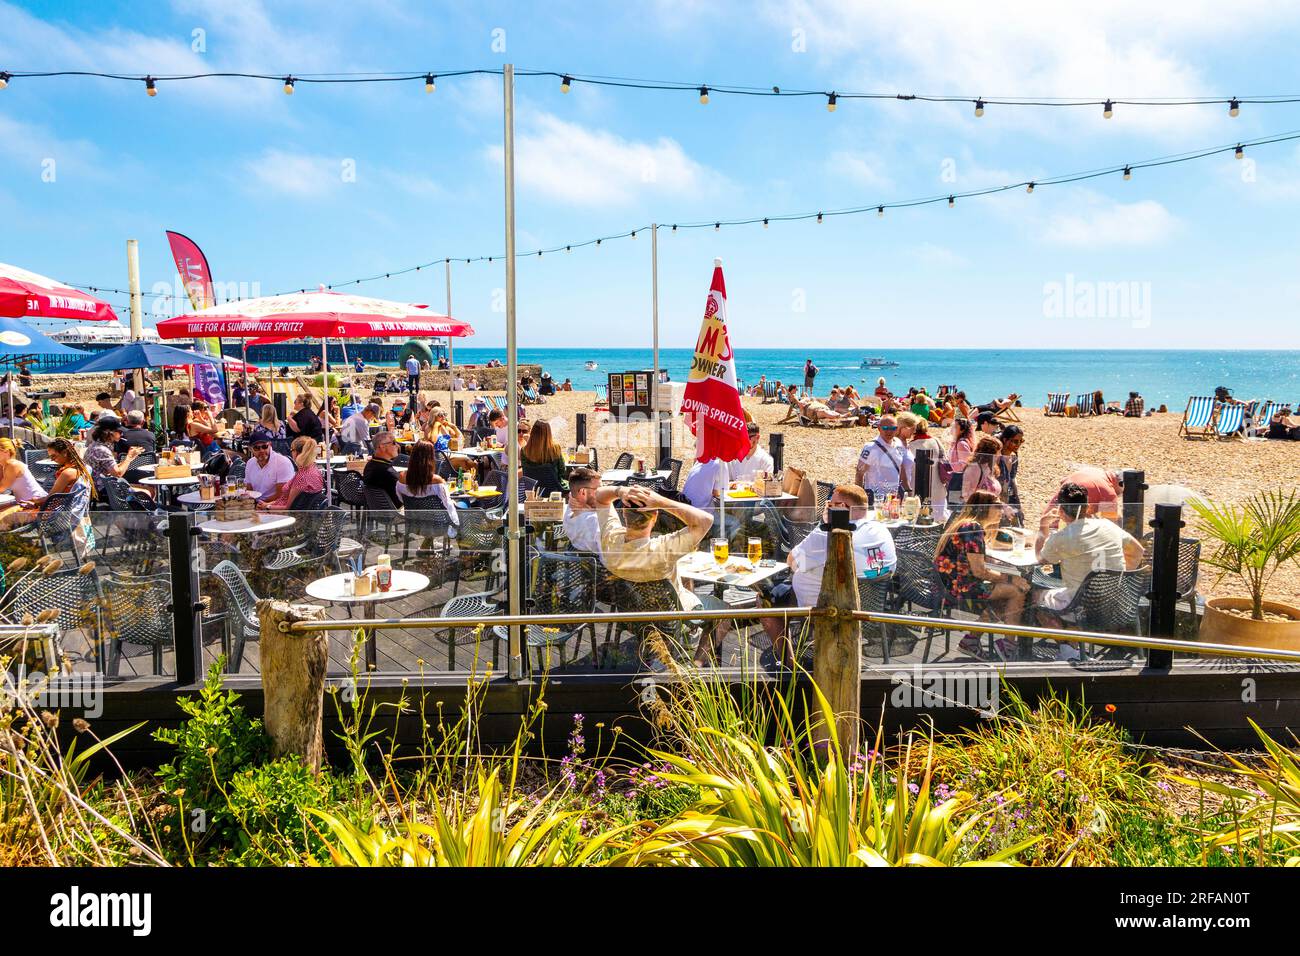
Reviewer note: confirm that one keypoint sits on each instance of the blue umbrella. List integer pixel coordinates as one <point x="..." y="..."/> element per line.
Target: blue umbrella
<point x="18" y="339"/>
<point x="141" y="355"/>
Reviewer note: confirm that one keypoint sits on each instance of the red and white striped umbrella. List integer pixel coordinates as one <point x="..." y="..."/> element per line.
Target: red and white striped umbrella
<point x="322" y="314"/>
<point x="711" y="406"/>
<point x="24" y="293"/>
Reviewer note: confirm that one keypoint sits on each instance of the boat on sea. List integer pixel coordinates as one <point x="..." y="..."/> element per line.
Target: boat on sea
<point x="878" y="363"/>
<point x="590" y="366"/>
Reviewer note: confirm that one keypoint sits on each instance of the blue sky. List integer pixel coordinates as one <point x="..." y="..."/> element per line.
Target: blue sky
<point x="1203" y="254"/>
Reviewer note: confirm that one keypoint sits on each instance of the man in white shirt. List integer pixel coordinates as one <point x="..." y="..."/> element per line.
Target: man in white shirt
<point x="581" y="519"/>
<point x="355" y="432"/>
<point x="704" y="478"/>
<point x="267" y="471"/>
<point x="755" y="463"/>
<point x="1080" y="543"/>
<point x="873" y="556"/>
<point x="883" y="467"/>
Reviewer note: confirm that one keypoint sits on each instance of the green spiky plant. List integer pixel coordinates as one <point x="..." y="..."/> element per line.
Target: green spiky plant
<point x="1252" y="541"/>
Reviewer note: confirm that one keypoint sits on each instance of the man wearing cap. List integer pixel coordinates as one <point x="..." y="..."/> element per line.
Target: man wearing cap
<point x="884" y="467"/>
<point x="267" y="471"/>
<point x="355" y="433"/>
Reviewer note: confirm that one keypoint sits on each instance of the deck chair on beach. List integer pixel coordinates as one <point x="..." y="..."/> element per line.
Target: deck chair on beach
<point x="1056" y="402"/>
<point x="602" y="396"/>
<point x="1231" y="420"/>
<point x="1083" y="404"/>
<point x="1260" y="415"/>
<point x="769" y="393"/>
<point x="1198" y="417"/>
<point x="491" y="401"/>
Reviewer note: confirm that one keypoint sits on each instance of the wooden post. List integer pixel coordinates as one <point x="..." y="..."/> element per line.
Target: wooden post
<point x="837" y="652"/>
<point x="293" y="680"/>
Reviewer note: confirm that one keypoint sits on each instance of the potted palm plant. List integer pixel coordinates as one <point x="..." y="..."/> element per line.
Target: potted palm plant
<point x="1251" y="542"/>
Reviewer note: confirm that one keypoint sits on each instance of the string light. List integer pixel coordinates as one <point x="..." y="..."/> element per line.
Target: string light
<point x="430" y="82"/>
<point x="633" y="233"/>
<point x="150" y="87"/>
<point x="565" y="83"/>
<point x="819" y="219"/>
<point x="1126" y="169"/>
<point x="1240" y="153"/>
<point x="704" y="95"/>
<point x="1029" y="188"/>
<point x="568" y="248"/>
<point x="1234" y="107"/>
<point x="4" y="79"/>
<point x="830" y="102"/>
<point x="288" y="86"/>
<point x="979" y="107"/>
<point x="1108" y="110"/>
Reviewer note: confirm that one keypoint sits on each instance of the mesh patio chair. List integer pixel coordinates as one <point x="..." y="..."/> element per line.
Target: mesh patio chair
<point x="561" y="584"/>
<point x="322" y="543"/>
<point x="32" y="455"/>
<point x="241" y="611"/>
<point x="658" y="595"/>
<point x="623" y="462"/>
<point x="45" y="472"/>
<point x="347" y="488"/>
<point x="139" y="611"/>
<point x="429" y="519"/>
<point x="135" y="473"/>
<point x="1108" y="602"/>
<point x="1189" y="567"/>
<point x="824" y="491"/>
<point x="674" y="474"/>
<point x="883" y="640"/>
<point x="132" y="516"/>
<point x="918" y="588"/>
<point x="381" y="518"/>
<point x="74" y="595"/>
<point x="478" y="547"/>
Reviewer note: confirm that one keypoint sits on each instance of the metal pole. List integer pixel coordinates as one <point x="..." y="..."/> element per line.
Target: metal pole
<point x="776" y="448"/>
<point x="185" y="608"/>
<point x="516" y="662"/>
<point x="451" y="354"/>
<point x="1134" y="507"/>
<point x="654" y="324"/>
<point x="325" y="417"/>
<point x="1164" y="581"/>
<point x="137" y="320"/>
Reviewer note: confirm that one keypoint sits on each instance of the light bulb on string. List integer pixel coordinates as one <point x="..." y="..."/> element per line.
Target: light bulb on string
<point x="1128" y="172"/>
<point x="952" y="201"/>
<point x="717" y="226"/>
<point x="5" y="77"/>
<point x="288" y="86"/>
<point x="674" y="227"/>
<point x="979" y="107"/>
<point x="430" y="83"/>
<point x="880" y="211"/>
<point x="830" y="102"/>
<point x="1240" y="153"/>
<point x="633" y="233"/>
<point x="565" y="83"/>
<point x="819" y="219"/>
<point x="704" y="95"/>
<point x="764" y="223"/>
<point x="1234" y="107"/>
<point x="1029" y="188"/>
<point x="568" y="248"/>
<point x="1108" y="110"/>
<point x="150" y="86"/>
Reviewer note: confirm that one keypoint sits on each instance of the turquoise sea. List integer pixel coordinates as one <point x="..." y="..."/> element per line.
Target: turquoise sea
<point x="1167" y="377"/>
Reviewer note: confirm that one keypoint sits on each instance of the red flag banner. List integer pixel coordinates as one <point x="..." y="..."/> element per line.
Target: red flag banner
<point x="192" y="266"/>
<point x="711" y="406"/>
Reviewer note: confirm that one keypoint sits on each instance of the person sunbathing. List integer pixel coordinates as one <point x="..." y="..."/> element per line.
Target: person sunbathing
<point x="818" y="411"/>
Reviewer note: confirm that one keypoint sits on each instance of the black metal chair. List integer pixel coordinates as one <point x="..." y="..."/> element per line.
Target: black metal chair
<point x="428" y="518"/>
<point x="623" y="461"/>
<point x="347" y="489"/>
<point x="543" y="478"/>
<point x="674" y="474"/>
<point x="382" y="516"/>
<point x="478" y="547"/>
<point x="241" y="623"/>
<point x="1109" y="602"/>
<point x="561" y="584"/>
<point x="32" y="455"/>
<point x="139" y="609"/>
<point x="74" y="595"/>
<point x="824" y="491"/>
<point x="658" y="595"/>
<point x="882" y="640"/>
<point x="1189" y="567"/>
<point x="136" y="472"/>
<point x="918" y="587"/>
<point x="45" y="472"/>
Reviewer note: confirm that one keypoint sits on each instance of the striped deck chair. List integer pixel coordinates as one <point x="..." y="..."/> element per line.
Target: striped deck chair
<point x="769" y="392"/>
<point x="1260" y="414"/>
<point x="1198" y="417"/>
<point x="491" y="401"/>
<point x="1056" y="403"/>
<point x="602" y="396"/>
<point x="1231" y="420"/>
<point x="1083" y="404"/>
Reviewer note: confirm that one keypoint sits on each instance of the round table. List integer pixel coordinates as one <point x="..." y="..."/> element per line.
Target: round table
<point x="165" y="485"/>
<point x="405" y="583"/>
<point x="193" y="497"/>
<point x="264" y="522"/>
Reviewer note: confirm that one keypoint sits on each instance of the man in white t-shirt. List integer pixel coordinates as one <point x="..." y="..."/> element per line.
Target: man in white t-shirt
<point x="1080" y="543"/>
<point x="704" y="478"/>
<point x="755" y="463"/>
<point x="581" y="518"/>
<point x="884" y="464"/>
<point x="267" y="472"/>
<point x="873" y="556"/>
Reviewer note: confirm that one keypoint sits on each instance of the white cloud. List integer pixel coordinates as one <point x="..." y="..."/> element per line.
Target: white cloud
<point x="864" y="169"/>
<point x="1107" y="223"/>
<point x="1104" y="48"/>
<point x="297" y="175"/>
<point x="929" y="254"/>
<point x="575" y="164"/>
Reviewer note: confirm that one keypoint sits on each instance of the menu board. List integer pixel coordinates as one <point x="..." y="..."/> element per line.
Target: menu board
<point x="629" y="394"/>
